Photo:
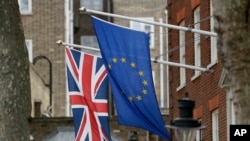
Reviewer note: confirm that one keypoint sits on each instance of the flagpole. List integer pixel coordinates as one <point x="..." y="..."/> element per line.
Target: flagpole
<point x="83" y="9"/>
<point x="59" y="42"/>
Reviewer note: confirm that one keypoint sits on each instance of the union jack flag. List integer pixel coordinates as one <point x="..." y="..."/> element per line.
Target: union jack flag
<point x="87" y="89"/>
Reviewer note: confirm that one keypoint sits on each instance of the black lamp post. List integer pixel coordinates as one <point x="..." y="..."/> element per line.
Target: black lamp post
<point x="185" y="126"/>
<point x="50" y="77"/>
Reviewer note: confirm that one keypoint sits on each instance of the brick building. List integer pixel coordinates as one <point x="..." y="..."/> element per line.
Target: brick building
<point x="213" y="106"/>
<point x="44" y="24"/>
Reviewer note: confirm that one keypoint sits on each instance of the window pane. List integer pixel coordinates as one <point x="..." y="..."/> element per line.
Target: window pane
<point x="29" y="48"/>
<point x="147" y="28"/>
<point x="24" y="6"/>
<point x="85" y="3"/>
<point x="92" y="4"/>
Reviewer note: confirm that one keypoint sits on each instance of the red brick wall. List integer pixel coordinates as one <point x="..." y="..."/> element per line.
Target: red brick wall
<point x="204" y="89"/>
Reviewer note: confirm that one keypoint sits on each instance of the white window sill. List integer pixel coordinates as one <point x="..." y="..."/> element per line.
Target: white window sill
<point x="26" y="13"/>
<point x="212" y="64"/>
<point x="196" y="75"/>
<point x="180" y="87"/>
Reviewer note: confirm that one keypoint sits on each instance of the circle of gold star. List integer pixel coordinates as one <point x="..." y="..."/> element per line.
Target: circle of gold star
<point x="141" y="73"/>
<point x="138" y="98"/>
<point x="114" y="60"/>
<point x="109" y="66"/>
<point x="132" y="65"/>
<point x="144" y="91"/>
<point x="123" y="60"/>
<point x="145" y="82"/>
<point x="130" y="98"/>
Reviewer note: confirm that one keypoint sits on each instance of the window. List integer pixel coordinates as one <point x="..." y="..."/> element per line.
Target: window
<point x="25" y="6"/>
<point x="144" y="27"/>
<point x="197" y="49"/>
<point x="215" y="125"/>
<point x="232" y="107"/>
<point x="30" y="49"/>
<point x="92" y="4"/>
<point x="152" y="137"/>
<point x="213" y="40"/>
<point x="90" y="41"/>
<point x="182" y="57"/>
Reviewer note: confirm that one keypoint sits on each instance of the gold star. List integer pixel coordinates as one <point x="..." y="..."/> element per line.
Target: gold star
<point x="123" y="60"/>
<point x="141" y="73"/>
<point x="109" y="66"/>
<point x="114" y="60"/>
<point x="130" y="98"/>
<point x="138" y="98"/>
<point x="132" y="65"/>
<point x="144" y="91"/>
<point x="145" y="82"/>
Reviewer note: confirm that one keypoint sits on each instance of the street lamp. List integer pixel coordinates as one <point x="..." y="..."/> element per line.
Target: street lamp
<point x="185" y="126"/>
<point x="50" y="76"/>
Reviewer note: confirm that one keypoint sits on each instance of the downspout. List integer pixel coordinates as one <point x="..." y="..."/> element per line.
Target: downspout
<point x="162" y="102"/>
<point x="66" y="12"/>
<point x="167" y="67"/>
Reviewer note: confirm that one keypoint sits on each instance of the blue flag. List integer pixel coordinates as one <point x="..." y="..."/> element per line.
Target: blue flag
<point x="126" y="55"/>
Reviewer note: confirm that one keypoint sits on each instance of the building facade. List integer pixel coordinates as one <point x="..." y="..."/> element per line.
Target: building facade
<point x="44" y="24"/>
<point x="213" y="106"/>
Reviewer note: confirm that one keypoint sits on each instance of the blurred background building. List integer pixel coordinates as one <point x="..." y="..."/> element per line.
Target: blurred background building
<point x="47" y="21"/>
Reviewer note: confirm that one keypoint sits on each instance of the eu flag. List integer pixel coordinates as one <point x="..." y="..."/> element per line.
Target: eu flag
<point x="126" y="55"/>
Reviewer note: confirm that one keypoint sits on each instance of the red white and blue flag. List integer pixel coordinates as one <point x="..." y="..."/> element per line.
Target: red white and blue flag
<point x="87" y="89"/>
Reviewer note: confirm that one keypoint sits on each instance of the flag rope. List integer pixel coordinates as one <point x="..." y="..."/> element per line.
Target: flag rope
<point x="59" y="42"/>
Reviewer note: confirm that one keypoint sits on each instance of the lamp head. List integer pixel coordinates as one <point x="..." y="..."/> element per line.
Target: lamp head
<point x="185" y="125"/>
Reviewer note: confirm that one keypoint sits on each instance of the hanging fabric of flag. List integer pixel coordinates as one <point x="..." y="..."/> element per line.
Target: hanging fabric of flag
<point x="87" y="89"/>
<point x="126" y="55"/>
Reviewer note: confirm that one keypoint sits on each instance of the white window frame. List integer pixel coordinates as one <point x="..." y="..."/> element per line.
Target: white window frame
<point x="29" y="45"/>
<point x="92" y="4"/>
<point x="153" y="76"/>
<point x="199" y="133"/>
<point x="27" y="11"/>
<point x="142" y="27"/>
<point x="182" y="53"/>
<point x="215" y="125"/>
<point x="213" y="40"/>
<point x="197" y="40"/>
<point x="232" y="112"/>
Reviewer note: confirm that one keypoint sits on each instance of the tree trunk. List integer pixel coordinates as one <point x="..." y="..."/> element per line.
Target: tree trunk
<point x="233" y="30"/>
<point x="15" y="102"/>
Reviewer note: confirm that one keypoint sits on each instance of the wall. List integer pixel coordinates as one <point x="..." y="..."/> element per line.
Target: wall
<point x="204" y="89"/>
<point x="42" y="128"/>
<point x="44" y="26"/>
<point x="39" y="92"/>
